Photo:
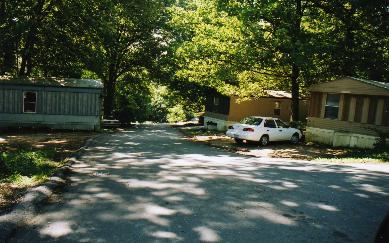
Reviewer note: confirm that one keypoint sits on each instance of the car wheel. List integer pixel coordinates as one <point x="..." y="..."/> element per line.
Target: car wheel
<point x="295" y="138"/>
<point x="238" y="141"/>
<point x="264" y="140"/>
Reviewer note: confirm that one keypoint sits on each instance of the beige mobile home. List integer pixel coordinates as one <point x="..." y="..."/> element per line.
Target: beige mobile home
<point x="223" y="111"/>
<point x="348" y="112"/>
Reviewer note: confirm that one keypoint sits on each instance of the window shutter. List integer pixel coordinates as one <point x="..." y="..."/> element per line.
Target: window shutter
<point x="385" y="115"/>
<point x="372" y="110"/>
<point x="319" y="104"/>
<point x="315" y="105"/>
<point x="358" y="109"/>
<point x="312" y="104"/>
<point x="346" y="107"/>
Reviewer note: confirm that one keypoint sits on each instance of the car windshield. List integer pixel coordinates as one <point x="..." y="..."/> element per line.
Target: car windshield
<point x="252" y="121"/>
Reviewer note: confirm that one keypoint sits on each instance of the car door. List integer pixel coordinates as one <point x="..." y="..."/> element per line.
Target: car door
<point x="283" y="130"/>
<point x="270" y="128"/>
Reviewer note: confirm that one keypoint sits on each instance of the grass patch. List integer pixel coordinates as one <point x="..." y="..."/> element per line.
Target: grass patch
<point x="26" y="181"/>
<point x="29" y="157"/>
<point x="26" y="168"/>
<point x="21" y="169"/>
<point x="359" y="156"/>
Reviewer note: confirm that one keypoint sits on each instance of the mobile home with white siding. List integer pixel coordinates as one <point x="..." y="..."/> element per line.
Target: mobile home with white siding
<point x="50" y="102"/>
<point x="348" y="112"/>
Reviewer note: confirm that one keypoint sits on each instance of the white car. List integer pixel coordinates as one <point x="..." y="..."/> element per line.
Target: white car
<point x="263" y="130"/>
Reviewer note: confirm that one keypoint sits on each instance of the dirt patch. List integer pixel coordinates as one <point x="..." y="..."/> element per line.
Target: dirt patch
<point x="10" y="195"/>
<point x="64" y="143"/>
<point x="302" y="151"/>
<point x="273" y="150"/>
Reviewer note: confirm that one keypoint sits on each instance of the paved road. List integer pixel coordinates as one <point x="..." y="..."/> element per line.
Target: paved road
<point x="151" y="185"/>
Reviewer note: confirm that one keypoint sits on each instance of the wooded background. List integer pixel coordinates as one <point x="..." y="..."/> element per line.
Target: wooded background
<point x="158" y="58"/>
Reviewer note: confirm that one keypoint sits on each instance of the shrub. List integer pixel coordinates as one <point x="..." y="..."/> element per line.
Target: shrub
<point x="298" y="125"/>
<point x="28" y="163"/>
<point x="3" y="167"/>
<point x="176" y="114"/>
<point x="381" y="141"/>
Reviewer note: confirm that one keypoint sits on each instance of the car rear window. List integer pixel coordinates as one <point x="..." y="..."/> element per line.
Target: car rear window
<point x="270" y="124"/>
<point x="252" y="121"/>
<point x="281" y="124"/>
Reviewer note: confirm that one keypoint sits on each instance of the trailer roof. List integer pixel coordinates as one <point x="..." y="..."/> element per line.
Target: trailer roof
<point x="52" y="81"/>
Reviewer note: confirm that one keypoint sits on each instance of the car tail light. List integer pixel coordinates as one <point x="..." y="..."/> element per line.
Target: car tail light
<point x="230" y="127"/>
<point x="248" y="129"/>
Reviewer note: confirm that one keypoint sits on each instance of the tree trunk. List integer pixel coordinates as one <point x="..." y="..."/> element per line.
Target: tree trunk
<point x="295" y="68"/>
<point x="26" y="64"/>
<point x="27" y="55"/>
<point x="109" y="90"/>
<point x="295" y="93"/>
<point x="348" y="60"/>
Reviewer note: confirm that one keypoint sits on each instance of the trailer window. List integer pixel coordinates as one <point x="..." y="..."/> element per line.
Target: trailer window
<point x="29" y="102"/>
<point x="332" y="106"/>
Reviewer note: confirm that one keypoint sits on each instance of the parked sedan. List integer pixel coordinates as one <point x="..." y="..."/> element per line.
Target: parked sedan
<point x="263" y="130"/>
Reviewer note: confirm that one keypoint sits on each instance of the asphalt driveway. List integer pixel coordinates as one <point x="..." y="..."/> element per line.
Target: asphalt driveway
<point x="151" y="185"/>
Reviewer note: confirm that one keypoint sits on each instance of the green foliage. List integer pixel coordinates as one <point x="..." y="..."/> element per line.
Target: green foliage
<point x="29" y="163"/>
<point x="244" y="47"/>
<point x="87" y="74"/>
<point x="298" y="125"/>
<point x="80" y="38"/>
<point x="169" y="106"/>
<point x="206" y="53"/>
<point x="160" y="103"/>
<point x="141" y="100"/>
<point x="176" y="114"/>
<point x="361" y="156"/>
<point x="237" y="47"/>
<point x="133" y="99"/>
<point x="382" y="141"/>
<point x="3" y="166"/>
<point x="122" y="41"/>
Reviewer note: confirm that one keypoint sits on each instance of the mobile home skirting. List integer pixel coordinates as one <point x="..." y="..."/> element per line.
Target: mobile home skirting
<point x="221" y="125"/>
<point x="340" y="139"/>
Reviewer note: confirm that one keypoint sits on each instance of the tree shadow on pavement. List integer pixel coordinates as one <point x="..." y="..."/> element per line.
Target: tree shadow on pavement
<point x="150" y="184"/>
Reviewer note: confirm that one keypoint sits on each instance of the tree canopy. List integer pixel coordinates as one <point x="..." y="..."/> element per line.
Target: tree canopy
<point x="236" y="47"/>
<point x="242" y="47"/>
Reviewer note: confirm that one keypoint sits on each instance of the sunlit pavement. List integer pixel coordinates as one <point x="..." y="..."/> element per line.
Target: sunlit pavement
<point x="151" y="185"/>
